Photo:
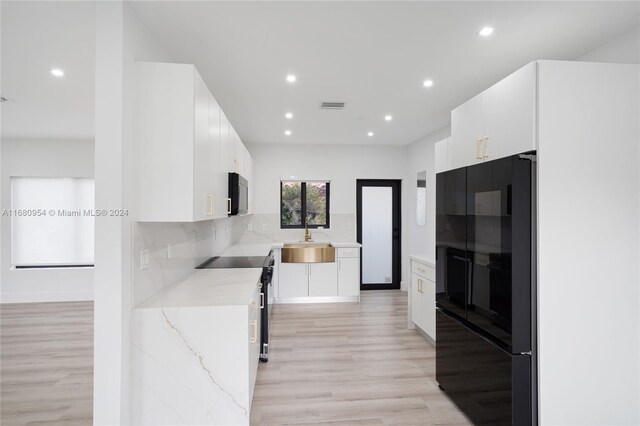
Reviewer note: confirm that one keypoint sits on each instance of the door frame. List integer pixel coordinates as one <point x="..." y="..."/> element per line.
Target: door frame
<point x="396" y="186"/>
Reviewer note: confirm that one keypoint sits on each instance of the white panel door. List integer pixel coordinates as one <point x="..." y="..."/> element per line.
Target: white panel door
<point x="428" y="308"/>
<point x="254" y="341"/>
<point x="510" y="114"/>
<point x="323" y="279"/>
<point x="377" y="233"/>
<point x="220" y="177"/>
<point x="349" y="276"/>
<point x="467" y="126"/>
<point x="293" y="280"/>
<point x="203" y="158"/>
<point x="416" y="299"/>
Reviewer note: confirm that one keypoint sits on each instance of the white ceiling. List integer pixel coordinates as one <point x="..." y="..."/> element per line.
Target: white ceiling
<point x="372" y="55"/>
<point x="36" y="37"/>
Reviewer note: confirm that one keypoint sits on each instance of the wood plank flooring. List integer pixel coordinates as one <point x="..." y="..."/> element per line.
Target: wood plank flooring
<point x="338" y="364"/>
<point x="350" y="364"/>
<point x="46" y="364"/>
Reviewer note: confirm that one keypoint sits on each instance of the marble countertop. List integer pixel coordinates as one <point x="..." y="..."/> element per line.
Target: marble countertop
<point x="423" y="258"/>
<point x="208" y="287"/>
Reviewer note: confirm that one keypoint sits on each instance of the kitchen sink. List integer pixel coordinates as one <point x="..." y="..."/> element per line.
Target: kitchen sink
<point x="308" y="253"/>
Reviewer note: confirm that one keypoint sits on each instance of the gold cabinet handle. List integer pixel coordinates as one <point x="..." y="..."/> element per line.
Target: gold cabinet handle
<point x="254" y="338"/>
<point x="484" y="150"/>
<point x="479" y="148"/>
<point x="228" y="205"/>
<point x="210" y="211"/>
<point x="261" y="300"/>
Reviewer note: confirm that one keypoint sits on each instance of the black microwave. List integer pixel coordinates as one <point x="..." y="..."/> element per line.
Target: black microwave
<point x="238" y="201"/>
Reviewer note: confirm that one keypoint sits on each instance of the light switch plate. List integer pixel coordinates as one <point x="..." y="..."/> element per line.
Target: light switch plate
<point x="249" y="228"/>
<point x="144" y="259"/>
<point x="169" y="250"/>
<point x="264" y="227"/>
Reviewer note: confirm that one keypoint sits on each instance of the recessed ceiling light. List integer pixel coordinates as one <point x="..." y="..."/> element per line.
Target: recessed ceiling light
<point x="370" y="134"/>
<point x="57" y="72"/>
<point x="287" y="132"/>
<point x="291" y="78"/>
<point x="289" y="115"/>
<point x="388" y="117"/>
<point x="427" y="83"/>
<point x="486" y="31"/>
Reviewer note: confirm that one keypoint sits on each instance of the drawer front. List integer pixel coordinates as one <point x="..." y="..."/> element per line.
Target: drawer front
<point x="349" y="252"/>
<point x="423" y="270"/>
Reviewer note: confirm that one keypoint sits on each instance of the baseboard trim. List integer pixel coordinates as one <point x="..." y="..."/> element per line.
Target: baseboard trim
<point x="309" y="299"/>
<point x="424" y="334"/>
<point x="40" y="297"/>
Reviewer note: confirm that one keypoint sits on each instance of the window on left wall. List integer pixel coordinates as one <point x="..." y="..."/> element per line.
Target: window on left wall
<point x="52" y="222"/>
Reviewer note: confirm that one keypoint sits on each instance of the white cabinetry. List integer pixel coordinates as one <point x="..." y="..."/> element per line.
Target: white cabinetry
<point x="349" y="271"/>
<point x="308" y="279"/>
<point x="293" y="280"/>
<point x="323" y="279"/>
<point x="337" y="281"/>
<point x="441" y="156"/>
<point x="187" y="146"/>
<point x="423" y="298"/>
<point x="496" y="123"/>
<point x="178" y="153"/>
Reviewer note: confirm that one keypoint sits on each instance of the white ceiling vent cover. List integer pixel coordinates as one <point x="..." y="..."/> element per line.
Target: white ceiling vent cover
<point x="332" y="105"/>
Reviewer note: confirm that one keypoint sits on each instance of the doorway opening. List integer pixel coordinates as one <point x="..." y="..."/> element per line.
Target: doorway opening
<point x="378" y="217"/>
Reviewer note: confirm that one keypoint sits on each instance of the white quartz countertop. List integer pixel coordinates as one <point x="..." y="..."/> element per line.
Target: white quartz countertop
<point x="423" y="258"/>
<point x="208" y="287"/>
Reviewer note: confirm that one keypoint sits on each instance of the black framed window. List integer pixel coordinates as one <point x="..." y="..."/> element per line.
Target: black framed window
<point x="304" y="204"/>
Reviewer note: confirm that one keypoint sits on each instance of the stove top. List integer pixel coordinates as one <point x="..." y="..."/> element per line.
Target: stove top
<point x="233" y="262"/>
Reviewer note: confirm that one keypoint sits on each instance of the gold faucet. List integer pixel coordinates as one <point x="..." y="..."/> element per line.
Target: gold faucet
<point x="307" y="233"/>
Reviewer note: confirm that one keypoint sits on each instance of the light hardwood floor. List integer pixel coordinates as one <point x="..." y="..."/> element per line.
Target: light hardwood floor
<point x="350" y="364"/>
<point x="46" y="363"/>
<point x="341" y="364"/>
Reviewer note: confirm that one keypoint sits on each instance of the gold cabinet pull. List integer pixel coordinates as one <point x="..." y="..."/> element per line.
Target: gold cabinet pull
<point x="254" y="338"/>
<point x="479" y="148"/>
<point x="484" y="150"/>
<point x="261" y="300"/>
<point x="228" y="205"/>
<point x="210" y="211"/>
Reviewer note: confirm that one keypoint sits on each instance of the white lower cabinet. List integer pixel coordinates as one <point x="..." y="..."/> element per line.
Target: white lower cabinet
<point x="195" y="364"/>
<point x="423" y="298"/>
<point x="293" y="280"/>
<point x="349" y="276"/>
<point x="339" y="279"/>
<point x="323" y="279"/>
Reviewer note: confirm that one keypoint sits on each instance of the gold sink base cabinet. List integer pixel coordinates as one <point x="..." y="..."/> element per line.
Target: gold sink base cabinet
<point x="308" y="253"/>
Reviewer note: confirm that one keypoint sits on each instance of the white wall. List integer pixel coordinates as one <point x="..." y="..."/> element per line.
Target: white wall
<point x="623" y="49"/>
<point x="42" y="158"/>
<point x="422" y="239"/>
<point x="342" y="165"/>
<point x="588" y="244"/>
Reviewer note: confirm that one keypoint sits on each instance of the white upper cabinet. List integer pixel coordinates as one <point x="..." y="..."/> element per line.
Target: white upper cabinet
<point x="496" y="123"/>
<point x="467" y="127"/>
<point x="441" y="155"/>
<point x="187" y="146"/>
<point x="510" y="114"/>
<point x="172" y="125"/>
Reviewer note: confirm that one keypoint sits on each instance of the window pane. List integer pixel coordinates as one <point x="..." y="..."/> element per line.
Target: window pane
<point x="63" y="235"/>
<point x="291" y="203"/>
<point x="317" y="203"/>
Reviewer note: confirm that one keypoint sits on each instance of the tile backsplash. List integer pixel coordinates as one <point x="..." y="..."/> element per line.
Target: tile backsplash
<point x="266" y="227"/>
<point x="191" y="244"/>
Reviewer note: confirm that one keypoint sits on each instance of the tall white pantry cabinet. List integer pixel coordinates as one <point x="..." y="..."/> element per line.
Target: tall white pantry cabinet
<point x="187" y="146"/>
<point x="583" y="121"/>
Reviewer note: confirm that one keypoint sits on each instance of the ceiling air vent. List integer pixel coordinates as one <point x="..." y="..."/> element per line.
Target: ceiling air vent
<point x="332" y="105"/>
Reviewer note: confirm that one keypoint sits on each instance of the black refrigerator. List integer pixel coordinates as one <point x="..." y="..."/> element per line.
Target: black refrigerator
<point x="486" y="290"/>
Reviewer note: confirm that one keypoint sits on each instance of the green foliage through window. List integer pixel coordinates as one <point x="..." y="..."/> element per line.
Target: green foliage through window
<point x="304" y="204"/>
